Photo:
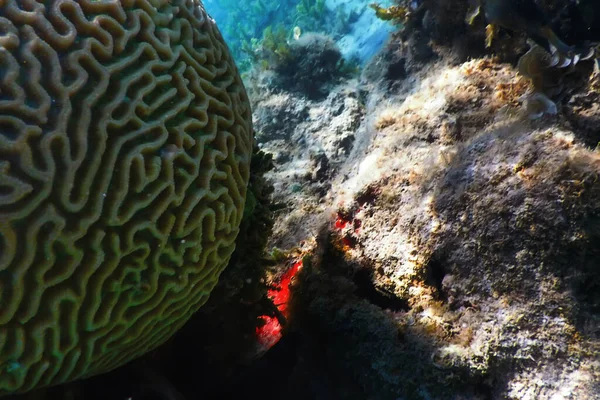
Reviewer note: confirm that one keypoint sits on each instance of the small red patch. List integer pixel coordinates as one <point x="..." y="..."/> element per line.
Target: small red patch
<point x="340" y="223"/>
<point x="270" y="333"/>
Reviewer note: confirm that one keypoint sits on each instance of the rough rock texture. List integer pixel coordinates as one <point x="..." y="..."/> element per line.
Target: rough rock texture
<point x="309" y="140"/>
<point x="477" y="230"/>
<point x="455" y="250"/>
<point x="312" y="66"/>
<point x="125" y="146"/>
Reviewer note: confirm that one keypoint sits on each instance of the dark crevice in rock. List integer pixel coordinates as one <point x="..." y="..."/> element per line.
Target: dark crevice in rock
<point x="435" y="275"/>
<point x="366" y="289"/>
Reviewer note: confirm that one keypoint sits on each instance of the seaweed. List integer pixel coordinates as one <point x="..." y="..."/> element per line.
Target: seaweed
<point x="311" y="15"/>
<point x="258" y="32"/>
<point x="396" y="14"/>
<point x="271" y="50"/>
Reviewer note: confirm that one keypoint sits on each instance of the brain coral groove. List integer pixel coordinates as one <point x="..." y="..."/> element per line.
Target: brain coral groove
<point x="125" y="144"/>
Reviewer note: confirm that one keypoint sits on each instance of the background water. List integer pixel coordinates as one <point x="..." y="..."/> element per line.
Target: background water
<point x="250" y="26"/>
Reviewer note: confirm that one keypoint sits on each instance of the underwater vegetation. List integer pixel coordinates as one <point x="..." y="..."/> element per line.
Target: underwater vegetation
<point x="257" y="31"/>
<point x="395" y="13"/>
<point x="244" y="23"/>
<point x="125" y="150"/>
<point x="313" y="63"/>
<point x="311" y="15"/>
<point x="271" y="50"/>
<point x="308" y="66"/>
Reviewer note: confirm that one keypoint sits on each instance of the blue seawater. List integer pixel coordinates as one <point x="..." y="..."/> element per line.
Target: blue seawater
<point x="351" y="23"/>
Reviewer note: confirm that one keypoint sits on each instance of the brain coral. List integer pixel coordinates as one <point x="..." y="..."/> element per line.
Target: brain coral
<point x="125" y="142"/>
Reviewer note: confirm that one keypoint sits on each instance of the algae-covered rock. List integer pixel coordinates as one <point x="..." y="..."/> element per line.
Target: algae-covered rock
<point x="312" y="66"/>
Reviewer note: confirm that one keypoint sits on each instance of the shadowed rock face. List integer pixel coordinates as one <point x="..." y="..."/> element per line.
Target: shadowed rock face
<point x="125" y="142"/>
